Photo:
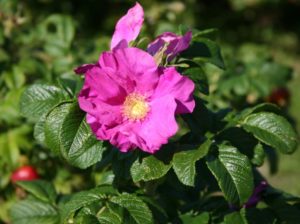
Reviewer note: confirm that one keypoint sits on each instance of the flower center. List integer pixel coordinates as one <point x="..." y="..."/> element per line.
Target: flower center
<point x="135" y="107"/>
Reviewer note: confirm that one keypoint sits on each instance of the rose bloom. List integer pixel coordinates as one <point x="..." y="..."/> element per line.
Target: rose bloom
<point x="174" y="44"/>
<point x="130" y="100"/>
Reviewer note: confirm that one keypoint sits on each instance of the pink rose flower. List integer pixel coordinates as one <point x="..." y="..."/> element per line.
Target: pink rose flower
<point x="129" y="100"/>
<point x="132" y="102"/>
<point x="174" y="44"/>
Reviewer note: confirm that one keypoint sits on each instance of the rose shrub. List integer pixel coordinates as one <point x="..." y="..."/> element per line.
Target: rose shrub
<point x="155" y="132"/>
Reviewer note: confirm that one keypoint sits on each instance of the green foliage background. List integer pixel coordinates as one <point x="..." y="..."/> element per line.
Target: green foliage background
<point x="42" y="41"/>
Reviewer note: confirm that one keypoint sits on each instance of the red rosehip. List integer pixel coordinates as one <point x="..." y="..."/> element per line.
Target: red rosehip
<point x="280" y="96"/>
<point x="24" y="173"/>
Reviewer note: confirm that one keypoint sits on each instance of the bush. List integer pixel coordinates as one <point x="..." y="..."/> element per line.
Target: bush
<point x="91" y="164"/>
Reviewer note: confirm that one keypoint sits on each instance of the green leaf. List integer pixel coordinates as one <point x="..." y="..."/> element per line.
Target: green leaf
<point x="259" y="155"/>
<point x="67" y="133"/>
<point x="203" y="218"/>
<point x="43" y="190"/>
<point x="154" y="204"/>
<point x="34" y="212"/>
<point x="184" y="163"/>
<point x="38" y="99"/>
<point x="84" y="198"/>
<point x="135" y="206"/>
<point x="71" y="85"/>
<point x="39" y="131"/>
<point x="108" y="217"/>
<point x="53" y="124"/>
<point x="273" y="130"/>
<point x="150" y="168"/>
<point x="92" y="155"/>
<point x="235" y="217"/>
<point x="77" y="140"/>
<point x="205" y="50"/>
<point x="234" y="174"/>
<point x="263" y="107"/>
<point x="211" y="33"/>
<point x="86" y="219"/>
<point x="240" y="139"/>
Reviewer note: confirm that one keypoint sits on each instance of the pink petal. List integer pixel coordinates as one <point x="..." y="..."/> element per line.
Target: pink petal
<point x="106" y="114"/>
<point x="184" y="42"/>
<point x="99" y="84"/>
<point x="95" y="126"/>
<point x="176" y="44"/>
<point x="133" y="68"/>
<point x="180" y="87"/>
<point x="160" y="41"/>
<point x="159" y="125"/>
<point x="128" y="27"/>
<point x="84" y="68"/>
<point x="121" y="135"/>
<point x="123" y="138"/>
<point x="113" y="134"/>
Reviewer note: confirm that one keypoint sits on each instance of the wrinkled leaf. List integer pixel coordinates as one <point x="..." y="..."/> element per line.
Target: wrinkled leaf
<point x="38" y="99"/>
<point x="108" y="217"/>
<point x="233" y="172"/>
<point x="150" y="168"/>
<point x="68" y="133"/>
<point x="273" y="130"/>
<point x="184" y="163"/>
<point x="34" y="212"/>
<point x="41" y="189"/>
<point x="136" y="208"/>
<point x="84" y="198"/>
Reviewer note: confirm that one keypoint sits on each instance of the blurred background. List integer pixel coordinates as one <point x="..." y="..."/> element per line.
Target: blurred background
<point x="44" y="40"/>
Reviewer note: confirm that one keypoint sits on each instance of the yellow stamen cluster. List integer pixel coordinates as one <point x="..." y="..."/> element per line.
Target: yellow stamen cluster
<point x="135" y="107"/>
